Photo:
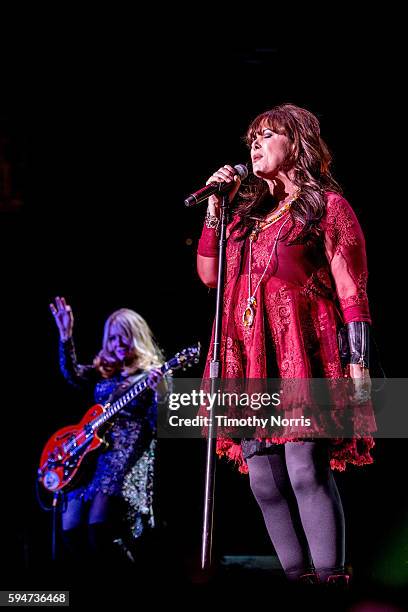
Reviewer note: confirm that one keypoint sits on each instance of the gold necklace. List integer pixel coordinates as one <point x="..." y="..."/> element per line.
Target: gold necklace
<point x="273" y="218"/>
<point x="249" y="313"/>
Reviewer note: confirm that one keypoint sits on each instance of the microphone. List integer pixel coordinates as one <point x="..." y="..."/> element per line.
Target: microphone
<point x="211" y="188"/>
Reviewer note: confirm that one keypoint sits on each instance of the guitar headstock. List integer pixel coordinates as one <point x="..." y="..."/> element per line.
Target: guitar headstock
<point x="185" y="358"/>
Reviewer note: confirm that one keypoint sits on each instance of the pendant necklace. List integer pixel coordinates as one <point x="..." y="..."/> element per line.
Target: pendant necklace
<point x="249" y="312"/>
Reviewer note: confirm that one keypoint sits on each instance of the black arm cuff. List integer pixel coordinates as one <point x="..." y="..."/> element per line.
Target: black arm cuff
<point x="358" y="333"/>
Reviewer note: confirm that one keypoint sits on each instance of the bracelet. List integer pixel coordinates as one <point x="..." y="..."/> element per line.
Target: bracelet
<point x="212" y="222"/>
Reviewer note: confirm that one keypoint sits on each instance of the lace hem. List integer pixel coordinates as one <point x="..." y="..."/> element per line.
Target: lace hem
<point x="342" y="451"/>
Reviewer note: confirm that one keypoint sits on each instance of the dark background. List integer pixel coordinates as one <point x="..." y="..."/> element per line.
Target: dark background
<point x="105" y="135"/>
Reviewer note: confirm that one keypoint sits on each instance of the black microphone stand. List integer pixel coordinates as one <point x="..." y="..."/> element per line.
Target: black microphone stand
<point x="215" y="376"/>
<point x="55" y="501"/>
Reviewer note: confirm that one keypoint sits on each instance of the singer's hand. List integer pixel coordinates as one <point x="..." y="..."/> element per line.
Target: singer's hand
<point x="361" y="382"/>
<point x="226" y="174"/>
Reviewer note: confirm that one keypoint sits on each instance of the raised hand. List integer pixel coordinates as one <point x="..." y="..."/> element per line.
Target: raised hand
<point x="63" y="316"/>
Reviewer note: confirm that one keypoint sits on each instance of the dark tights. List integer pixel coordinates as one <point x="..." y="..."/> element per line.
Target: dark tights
<point x="88" y="530"/>
<point x="296" y="491"/>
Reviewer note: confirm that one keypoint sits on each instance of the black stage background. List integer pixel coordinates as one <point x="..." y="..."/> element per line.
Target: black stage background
<point x="105" y="141"/>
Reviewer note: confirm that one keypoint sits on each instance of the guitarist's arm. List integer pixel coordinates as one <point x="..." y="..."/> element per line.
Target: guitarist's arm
<point x="77" y="375"/>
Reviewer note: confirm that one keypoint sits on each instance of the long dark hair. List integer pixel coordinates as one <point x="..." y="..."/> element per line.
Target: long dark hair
<point x="310" y="161"/>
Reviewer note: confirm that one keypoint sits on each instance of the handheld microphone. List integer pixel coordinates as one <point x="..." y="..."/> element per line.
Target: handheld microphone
<point x="211" y="188"/>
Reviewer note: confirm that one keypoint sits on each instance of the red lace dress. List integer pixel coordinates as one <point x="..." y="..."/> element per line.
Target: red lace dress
<point x="307" y="292"/>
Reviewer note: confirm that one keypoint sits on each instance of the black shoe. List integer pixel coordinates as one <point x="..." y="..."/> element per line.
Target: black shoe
<point x="310" y="578"/>
<point x="338" y="581"/>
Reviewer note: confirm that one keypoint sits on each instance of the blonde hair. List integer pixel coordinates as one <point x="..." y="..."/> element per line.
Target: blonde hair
<point x="145" y="354"/>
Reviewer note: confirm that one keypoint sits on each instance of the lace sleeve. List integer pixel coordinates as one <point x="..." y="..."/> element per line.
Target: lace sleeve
<point x="345" y="251"/>
<point x="208" y="242"/>
<point x="79" y="376"/>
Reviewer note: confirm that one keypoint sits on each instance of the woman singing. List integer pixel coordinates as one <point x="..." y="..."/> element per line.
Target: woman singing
<point x="295" y="274"/>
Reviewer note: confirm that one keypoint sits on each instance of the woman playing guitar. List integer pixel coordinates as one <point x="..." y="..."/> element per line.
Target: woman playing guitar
<point x="120" y="484"/>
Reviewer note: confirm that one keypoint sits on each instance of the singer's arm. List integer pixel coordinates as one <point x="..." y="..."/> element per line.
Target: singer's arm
<point x="346" y="254"/>
<point x="207" y="268"/>
<point x="207" y="253"/>
<point x="345" y="251"/>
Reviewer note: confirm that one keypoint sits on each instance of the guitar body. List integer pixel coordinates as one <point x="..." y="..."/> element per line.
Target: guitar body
<point x="65" y="450"/>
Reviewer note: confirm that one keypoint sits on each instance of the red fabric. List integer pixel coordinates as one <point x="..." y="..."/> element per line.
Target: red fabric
<point x="208" y="243"/>
<point x="306" y="293"/>
<point x="345" y="251"/>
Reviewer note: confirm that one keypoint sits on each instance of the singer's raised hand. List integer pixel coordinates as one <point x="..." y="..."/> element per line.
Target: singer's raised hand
<point x="226" y="174"/>
<point x="63" y="316"/>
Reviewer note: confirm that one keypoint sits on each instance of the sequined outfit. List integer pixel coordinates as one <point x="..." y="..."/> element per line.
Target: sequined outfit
<point x="125" y="467"/>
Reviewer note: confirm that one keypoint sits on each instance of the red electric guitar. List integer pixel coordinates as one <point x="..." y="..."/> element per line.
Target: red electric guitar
<point x="65" y="450"/>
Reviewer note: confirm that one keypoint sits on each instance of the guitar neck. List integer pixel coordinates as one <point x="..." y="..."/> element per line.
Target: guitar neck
<point x="111" y="409"/>
<point x="76" y="445"/>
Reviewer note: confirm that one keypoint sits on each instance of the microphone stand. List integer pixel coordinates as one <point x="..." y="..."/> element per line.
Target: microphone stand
<point x="54" y="525"/>
<point x="215" y="377"/>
